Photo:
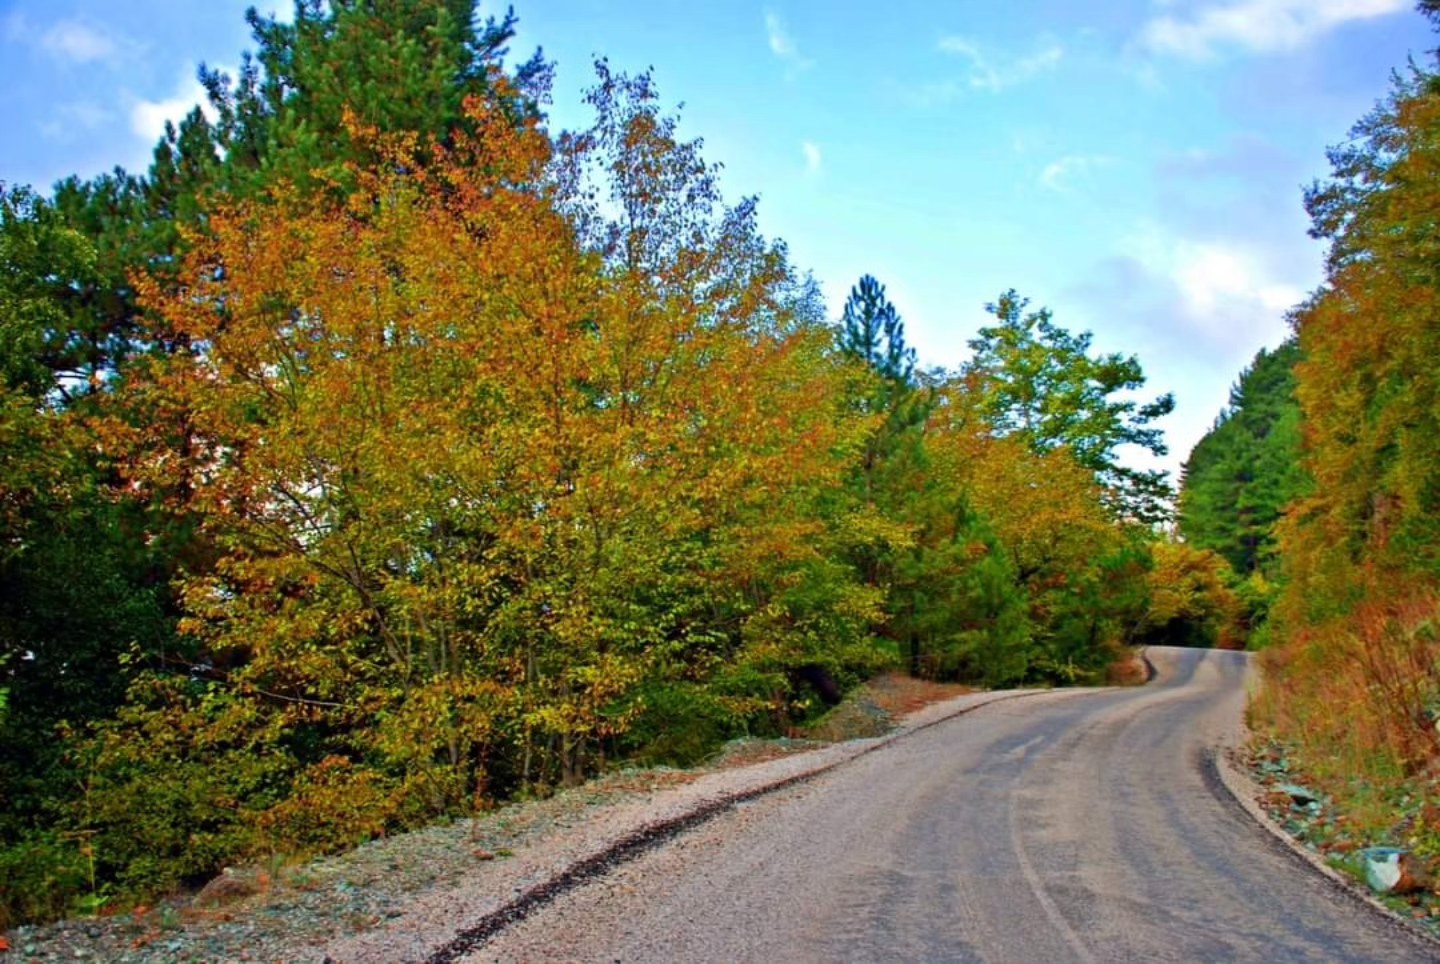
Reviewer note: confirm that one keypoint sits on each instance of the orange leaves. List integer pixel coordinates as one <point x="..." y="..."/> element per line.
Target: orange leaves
<point x="464" y="470"/>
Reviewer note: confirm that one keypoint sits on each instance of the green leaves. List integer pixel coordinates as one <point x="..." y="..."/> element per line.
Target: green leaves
<point x="1041" y="384"/>
<point x="475" y="456"/>
<point x="1246" y="471"/>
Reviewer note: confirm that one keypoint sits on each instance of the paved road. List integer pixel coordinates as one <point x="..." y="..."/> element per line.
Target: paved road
<point x="1069" y="826"/>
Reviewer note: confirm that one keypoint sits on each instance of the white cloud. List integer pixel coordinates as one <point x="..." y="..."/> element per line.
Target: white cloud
<point x="148" y="117"/>
<point x="782" y="44"/>
<point x="79" y="42"/>
<point x="987" y="74"/>
<point x="1061" y="175"/>
<point x="72" y="40"/>
<point x="813" y="158"/>
<point x="1259" y="25"/>
<point x="1220" y="285"/>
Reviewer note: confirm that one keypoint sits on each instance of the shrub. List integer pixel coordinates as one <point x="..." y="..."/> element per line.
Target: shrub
<point x="40" y="878"/>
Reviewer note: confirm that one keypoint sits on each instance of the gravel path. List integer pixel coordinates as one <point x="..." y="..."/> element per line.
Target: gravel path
<point x="1055" y="825"/>
<point x="407" y="896"/>
<point x="1071" y="826"/>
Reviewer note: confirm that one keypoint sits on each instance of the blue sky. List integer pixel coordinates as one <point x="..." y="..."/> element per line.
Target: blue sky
<point x="1136" y="165"/>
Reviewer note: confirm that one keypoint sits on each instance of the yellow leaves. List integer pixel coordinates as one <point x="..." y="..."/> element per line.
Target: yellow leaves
<point x="1191" y="602"/>
<point x="480" y="465"/>
<point x="333" y="804"/>
<point x="440" y="714"/>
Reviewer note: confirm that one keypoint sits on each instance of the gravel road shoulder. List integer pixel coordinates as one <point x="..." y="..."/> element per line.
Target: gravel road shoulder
<point x="407" y="896"/>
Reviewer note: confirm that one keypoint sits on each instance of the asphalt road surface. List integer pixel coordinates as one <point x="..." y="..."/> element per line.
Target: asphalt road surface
<point x="1068" y="826"/>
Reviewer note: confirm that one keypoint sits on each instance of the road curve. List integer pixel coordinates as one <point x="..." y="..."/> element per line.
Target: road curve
<point x="1069" y="826"/>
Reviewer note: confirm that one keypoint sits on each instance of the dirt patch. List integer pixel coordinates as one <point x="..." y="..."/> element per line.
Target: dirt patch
<point x="747" y="751"/>
<point x="901" y="695"/>
<point x="1130" y="670"/>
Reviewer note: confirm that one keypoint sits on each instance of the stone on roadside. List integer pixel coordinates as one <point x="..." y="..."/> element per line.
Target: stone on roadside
<point x="1300" y="795"/>
<point x="226" y="889"/>
<point x="1390" y="870"/>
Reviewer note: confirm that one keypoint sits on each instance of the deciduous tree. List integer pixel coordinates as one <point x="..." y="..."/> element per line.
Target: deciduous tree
<point x="1042" y="384"/>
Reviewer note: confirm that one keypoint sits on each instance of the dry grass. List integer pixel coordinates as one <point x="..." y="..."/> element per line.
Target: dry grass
<point x="899" y="695"/>
<point x="1357" y="699"/>
<point x="1128" y="670"/>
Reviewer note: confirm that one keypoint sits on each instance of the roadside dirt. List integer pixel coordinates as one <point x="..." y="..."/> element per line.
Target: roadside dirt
<point x="287" y="910"/>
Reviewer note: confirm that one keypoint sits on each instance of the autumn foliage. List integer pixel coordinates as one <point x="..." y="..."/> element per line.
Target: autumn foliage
<point x="446" y="459"/>
<point x="1356" y="681"/>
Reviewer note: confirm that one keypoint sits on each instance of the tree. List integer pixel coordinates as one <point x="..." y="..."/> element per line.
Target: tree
<point x="872" y="334"/>
<point x="1075" y="571"/>
<point x="489" y="489"/>
<point x="895" y="492"/>
<point x="346" y="66"/>
<point x="1246" y="471"/>
<point x="1041" y="384"/>
<point x="1191" y="602"/>
<point x="1361" y="549"/>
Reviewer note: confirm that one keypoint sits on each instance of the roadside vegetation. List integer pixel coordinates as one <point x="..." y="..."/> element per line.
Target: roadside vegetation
<point x="1321" y="487"/>
<point x="382" y="454"/>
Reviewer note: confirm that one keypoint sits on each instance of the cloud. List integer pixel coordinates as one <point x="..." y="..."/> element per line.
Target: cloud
<point x="987" y="74"/>
<point x="1194" y="311"/>
<point x="148" y="117"/>
<point x="72" y="40"/>
<point x="813" y="158"/>
<point x="1060" y="175"/>
<point x="79" y="42"/>
<point x="1217" y="288"/>
<point x="782" y="45"/>
<point x="1263" y="26"/>
<point x="1214" y="279"/>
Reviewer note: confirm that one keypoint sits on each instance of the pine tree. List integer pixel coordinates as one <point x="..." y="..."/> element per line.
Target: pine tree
<point x="1242" y="475"/>
<point x="872" y="333"/>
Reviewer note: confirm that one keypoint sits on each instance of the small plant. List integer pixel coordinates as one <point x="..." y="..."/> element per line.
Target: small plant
<point x="92" y="903"/>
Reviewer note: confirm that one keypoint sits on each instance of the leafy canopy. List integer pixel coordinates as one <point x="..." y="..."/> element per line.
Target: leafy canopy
<point x="1041" y="384"/>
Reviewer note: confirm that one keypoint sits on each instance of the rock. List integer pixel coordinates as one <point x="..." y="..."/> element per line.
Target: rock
<point x="1299" y="794"/>
<point x="226" y="889"/>
<point x="1390" y="870"/>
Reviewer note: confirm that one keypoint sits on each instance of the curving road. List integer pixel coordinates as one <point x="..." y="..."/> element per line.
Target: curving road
<point x="1066" y="826"/>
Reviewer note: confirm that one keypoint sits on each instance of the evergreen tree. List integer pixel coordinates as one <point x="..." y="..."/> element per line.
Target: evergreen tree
<point x="1243" y="474"/>
<point x="345" y="66"/>
<point x="872" y="334"/>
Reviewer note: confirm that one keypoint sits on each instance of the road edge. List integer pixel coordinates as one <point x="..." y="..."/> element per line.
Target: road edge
<point x="1244" y="790"/>
<point x="636" y="843"/>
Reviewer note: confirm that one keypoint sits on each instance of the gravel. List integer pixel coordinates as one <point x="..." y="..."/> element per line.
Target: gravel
<point x="412" y="895"/>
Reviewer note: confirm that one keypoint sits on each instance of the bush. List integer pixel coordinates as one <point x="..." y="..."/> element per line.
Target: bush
<point x="681" y="724"/>
<point x="41" y="876"/>
<point x="333" y="805"/>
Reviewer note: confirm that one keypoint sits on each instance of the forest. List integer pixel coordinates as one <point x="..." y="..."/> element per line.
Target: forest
<point x="1320" y="485"/>
<point x="382" y="454"/>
